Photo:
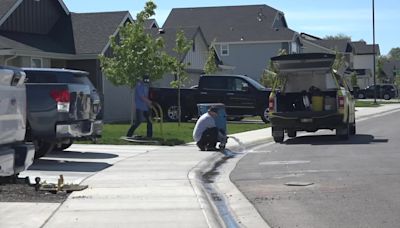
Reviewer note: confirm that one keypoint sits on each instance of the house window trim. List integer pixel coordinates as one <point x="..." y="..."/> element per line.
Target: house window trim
<point x="37" y="58"/>
<point x="222" y="49"/>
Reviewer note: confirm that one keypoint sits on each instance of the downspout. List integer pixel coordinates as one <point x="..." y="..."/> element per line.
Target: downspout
<point x="9" y="59"/>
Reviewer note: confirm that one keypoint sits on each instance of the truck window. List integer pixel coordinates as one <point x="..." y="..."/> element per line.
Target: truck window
<point x="57" y="77"/>
<point x="303" y="80"/>
<point x="237" y="84"/>
<point x="214" y="83"/>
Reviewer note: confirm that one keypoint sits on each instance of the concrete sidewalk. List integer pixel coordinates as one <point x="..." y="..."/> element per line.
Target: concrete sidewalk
<point x="161" y="187"/>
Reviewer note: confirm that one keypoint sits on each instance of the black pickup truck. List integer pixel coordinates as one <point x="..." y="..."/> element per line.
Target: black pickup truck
<point x="241" y="95"/>
<point x="62" y="107"/>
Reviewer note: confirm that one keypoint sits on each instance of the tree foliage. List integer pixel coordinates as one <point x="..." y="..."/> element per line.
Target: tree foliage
<point x="394" y="54"/>
<point x="270" y="73"/>
<point x="182" y="46"/>
<point x="339" y="36"/>
<point x="340" y="61"/>
<point x="380" y="73"/>
<point x="353" y="79"/>
<point x="135" y="53"/>
<point x="211" y="65"/>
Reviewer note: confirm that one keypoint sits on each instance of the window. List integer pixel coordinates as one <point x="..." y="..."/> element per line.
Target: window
<point x="194" y="46"/>
<point x="224" y="49"/>
<point x="36" y="63"/>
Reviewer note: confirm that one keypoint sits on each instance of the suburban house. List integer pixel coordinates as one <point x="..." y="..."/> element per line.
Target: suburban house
<point x="196" y="57"/>
<point x="244" y="37"/>
<point x="358" y="55"/>
<point x="364" y="60"/>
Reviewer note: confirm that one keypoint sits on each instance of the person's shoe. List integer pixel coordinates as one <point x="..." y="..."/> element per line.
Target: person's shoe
<point x="202" y="148"/>
<point x="212" y="149"/>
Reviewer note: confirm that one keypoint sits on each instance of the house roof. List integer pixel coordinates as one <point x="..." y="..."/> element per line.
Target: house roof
<point x="233" y="23"/>
<point x="150" y="23"/>
<point x="91" y="31"/>
<point x="169" y="36"/>
<point x="340" y="45"/>
<point x="31" y="42"/>
<point x="6" y="6"/>
<point x="362" y="48"/>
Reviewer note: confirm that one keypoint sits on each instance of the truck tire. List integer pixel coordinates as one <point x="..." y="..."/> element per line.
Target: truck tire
<point x="265" y="115"/>
<point x="360" y="96"/>
<point x="63" y="146"/>
<point x="343" y="132"/>
<point x="292" y="133"/>
<point x="353" y="128"/>
<point x="171" y="113"/>
<point x="278" y="134"/>
<point x="42" y="148"/>
<point x="386" y="96"/>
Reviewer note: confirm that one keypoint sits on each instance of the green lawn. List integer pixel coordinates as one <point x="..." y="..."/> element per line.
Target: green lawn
<point x="366" y="104"/>
<point x="173" y="134"/>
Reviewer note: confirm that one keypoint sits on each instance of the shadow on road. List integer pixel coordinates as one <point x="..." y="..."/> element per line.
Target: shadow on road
<point x="68" y="166"/>
<point x="80" y="155"/>
<point x="334" y="140"/>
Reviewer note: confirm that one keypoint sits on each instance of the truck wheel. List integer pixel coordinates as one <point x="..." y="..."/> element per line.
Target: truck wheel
<point x="278" y="134"/>
<point x="171" y="113"/>
<point x="343" y="132"/>
<point x="64" y="146"/>
<point x="265" y="115"/>
<point x="42" y="148"/>
<point x="360" y="96"/>
<point x="386" y="96"/>
<point x="292" y="133"/>
<point x="353" y="128"/>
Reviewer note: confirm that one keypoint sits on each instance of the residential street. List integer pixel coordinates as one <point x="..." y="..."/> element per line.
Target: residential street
<point x="353" y="183"/>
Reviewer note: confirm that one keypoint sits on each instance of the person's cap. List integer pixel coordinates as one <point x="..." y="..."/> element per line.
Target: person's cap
<point x="213" y="109"/>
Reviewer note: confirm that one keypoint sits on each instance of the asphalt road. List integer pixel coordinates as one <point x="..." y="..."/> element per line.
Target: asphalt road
<point x="354" y="183"/>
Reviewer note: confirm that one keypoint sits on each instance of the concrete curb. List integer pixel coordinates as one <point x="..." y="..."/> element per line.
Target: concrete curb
<point x="195" y="177"/>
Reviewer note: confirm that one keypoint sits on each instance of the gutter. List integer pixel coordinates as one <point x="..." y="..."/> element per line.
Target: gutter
<point x="9" y="59"/>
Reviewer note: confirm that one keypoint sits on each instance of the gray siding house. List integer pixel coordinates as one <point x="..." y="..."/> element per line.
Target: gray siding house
<point x="46" y="34"/>
<point x="244" y="37"/>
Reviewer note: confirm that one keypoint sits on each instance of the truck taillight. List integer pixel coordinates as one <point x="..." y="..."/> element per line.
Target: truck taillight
<point x="341" y="101"/>
<point x="271" y="104"/>
<point x="62" y="97"/>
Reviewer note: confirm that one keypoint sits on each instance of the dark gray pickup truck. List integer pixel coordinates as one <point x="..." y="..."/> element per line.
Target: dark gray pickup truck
<point x="241" y="95"/>
<point x="62" y="106"/>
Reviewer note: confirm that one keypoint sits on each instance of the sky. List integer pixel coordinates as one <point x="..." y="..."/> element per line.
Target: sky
<point x="315" y="17"/>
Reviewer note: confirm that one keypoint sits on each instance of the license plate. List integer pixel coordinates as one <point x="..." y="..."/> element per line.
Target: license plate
<point x="306" y="120"/>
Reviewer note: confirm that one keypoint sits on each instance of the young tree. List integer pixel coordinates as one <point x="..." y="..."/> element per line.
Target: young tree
<point x="353" y="79"/>
<point x="183" y="45"/>
<point x="380" y="73"/>
<point x="339" y="36"/>
<point x="135" y="53"/>
<point x="394" y="54"/>
<point x="269" y="75"/>
<point x="211" y="65"/>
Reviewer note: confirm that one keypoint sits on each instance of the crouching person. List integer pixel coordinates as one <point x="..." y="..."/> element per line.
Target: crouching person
<point x="205" y="133"/>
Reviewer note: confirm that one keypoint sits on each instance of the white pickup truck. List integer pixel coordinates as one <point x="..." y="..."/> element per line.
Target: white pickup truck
<point x="309" y="95"/>
<point x="15" y="154"/>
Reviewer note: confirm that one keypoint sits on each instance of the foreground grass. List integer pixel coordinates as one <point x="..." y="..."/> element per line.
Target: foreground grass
<point x="173" y="134"/>
<point x="366" y="104"/>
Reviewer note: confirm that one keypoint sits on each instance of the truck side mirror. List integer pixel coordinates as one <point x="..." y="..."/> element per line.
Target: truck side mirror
<point x="245" y="87"/>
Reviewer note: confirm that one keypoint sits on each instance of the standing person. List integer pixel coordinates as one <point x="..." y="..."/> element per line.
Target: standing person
<point x="206" y="133"/>
<point x="143" y="104"/>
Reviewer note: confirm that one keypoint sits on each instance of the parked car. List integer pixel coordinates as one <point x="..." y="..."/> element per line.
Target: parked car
<point x="311" y="97"/>
<point x="63" y="106"/>
<point x="15" y="154"/>
<point x="383" y="91"/>
<point x="241" y="95"/>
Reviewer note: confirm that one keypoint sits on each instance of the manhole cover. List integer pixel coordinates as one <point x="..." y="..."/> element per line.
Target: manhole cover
<point x="301" y="184"/>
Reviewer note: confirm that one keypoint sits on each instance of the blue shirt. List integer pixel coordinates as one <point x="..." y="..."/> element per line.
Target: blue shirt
<point x="141" y="90"/>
